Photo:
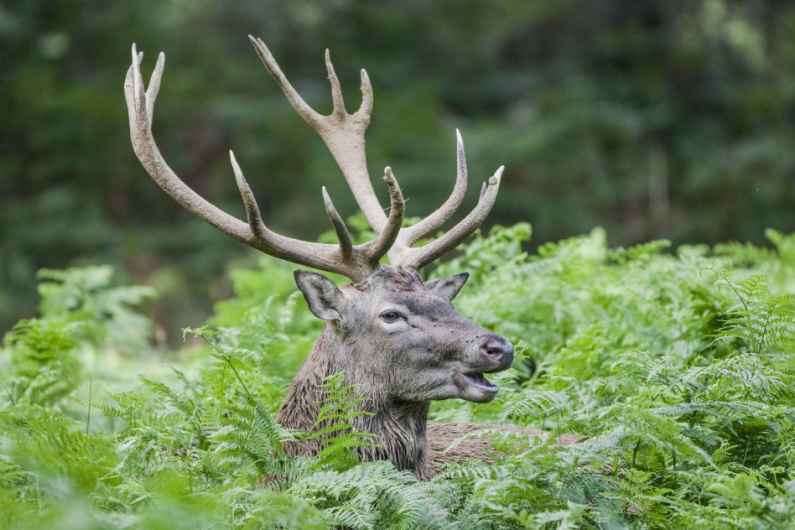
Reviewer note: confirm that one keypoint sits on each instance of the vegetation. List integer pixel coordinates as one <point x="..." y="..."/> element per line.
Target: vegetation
<point x="672" y="360"/>
<point x="676" y="366"/>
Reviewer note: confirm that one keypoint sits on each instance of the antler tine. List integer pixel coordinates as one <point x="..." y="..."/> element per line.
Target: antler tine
<point x="154" y="85"/>
<point x="366" y="107"/>
<point x="300" y="106"/>
<point x="388" y="235"/>
<point x="436" y="219"/>
<point x="343" y="235"/>
<point x="140" y="106"/>
<point x="138" y="82"/>
<point x="418" y="257"/>
<point x="253" y="214"/>
<point x="338" y="103"/>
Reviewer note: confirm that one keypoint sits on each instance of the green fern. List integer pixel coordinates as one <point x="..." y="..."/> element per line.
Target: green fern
<point x="675" y="368"/>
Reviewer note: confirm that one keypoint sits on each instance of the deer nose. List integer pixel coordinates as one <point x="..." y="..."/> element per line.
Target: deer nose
<point x="496" y="348"/>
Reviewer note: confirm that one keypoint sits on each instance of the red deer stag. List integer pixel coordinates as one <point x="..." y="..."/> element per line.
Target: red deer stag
<point x="396" y="338"/>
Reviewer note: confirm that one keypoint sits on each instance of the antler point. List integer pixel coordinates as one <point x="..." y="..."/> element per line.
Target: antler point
<point x="329" y="63"/>
<point x="236" y="168"/>
<point x="495" y="178"/>
<point x="136" y="55"/>
<point x="365" y="79"/>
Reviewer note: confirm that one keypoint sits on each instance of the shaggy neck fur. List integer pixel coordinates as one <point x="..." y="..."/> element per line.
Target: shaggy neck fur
<point x="399" y="428"/>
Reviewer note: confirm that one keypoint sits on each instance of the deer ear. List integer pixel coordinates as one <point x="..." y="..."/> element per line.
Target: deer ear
<point x="325" y="300"/>
<point x="448" y="287"/>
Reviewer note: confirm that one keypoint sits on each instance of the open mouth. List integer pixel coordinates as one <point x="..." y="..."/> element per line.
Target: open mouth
<point x="480" y="381"/>
<point x="472" y="386"/>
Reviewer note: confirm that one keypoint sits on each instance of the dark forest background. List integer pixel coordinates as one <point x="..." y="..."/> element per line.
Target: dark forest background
<point x="652" y="118"/>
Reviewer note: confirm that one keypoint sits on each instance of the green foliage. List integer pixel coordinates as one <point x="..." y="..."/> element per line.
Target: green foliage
<point x="334" y="426"/>
<point x="42" y="361"/>
<point x="675" y="370"/>
<point x="81" y="313"/>
<point x="85" y="295"/>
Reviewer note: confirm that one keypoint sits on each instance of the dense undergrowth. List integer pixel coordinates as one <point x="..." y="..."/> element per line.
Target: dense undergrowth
<point x="678" y="366"/>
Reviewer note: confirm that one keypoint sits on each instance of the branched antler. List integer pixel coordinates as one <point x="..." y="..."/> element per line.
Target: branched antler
<point x="343" y="134"/>
<point x="417" y="257"/>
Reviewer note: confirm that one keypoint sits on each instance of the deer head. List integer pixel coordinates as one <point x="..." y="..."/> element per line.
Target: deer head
<point x="397" y="339"/>
<point x="400" y="340"/>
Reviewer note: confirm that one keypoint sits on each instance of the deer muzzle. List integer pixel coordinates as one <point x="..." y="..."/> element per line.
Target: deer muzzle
<point x="495" y="355"/>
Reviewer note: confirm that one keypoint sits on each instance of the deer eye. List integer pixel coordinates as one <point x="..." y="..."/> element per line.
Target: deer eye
<point x="390" y="316"/>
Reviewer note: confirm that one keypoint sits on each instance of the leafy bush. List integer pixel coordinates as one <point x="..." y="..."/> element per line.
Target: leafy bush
<point x="677" y="370"/>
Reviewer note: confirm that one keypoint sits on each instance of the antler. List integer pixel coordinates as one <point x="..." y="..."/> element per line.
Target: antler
<point x="343" y="134"/>
<point x="356" y="262"/>
<point x="406" y="255"/>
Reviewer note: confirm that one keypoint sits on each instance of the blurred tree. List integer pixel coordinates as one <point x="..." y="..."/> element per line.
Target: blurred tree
<point x="654" y="118"/>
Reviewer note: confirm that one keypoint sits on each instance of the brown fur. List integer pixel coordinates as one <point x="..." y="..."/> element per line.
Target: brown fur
<point x="460" y="442"/>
